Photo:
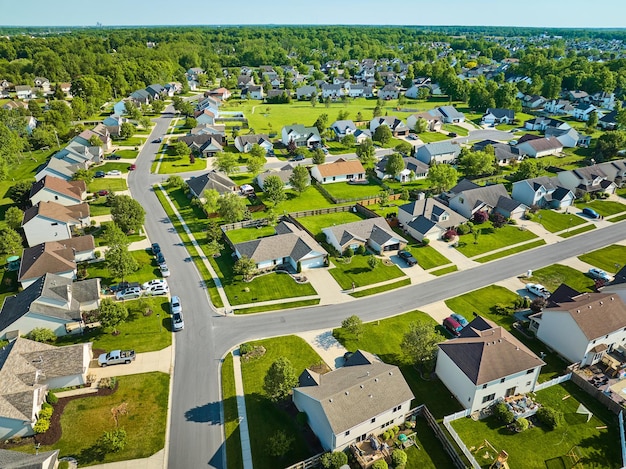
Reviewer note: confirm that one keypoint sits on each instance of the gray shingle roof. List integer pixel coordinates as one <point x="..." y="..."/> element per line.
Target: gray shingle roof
<point x="426" y="213"/>
<point x="211" y="180"/>
<point x="376" y="229"/>
<point x="489" y="195"/>
<point x="19" y="460"/>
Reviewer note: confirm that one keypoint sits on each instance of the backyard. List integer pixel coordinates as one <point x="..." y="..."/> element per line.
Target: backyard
<point x="355" y="270"/>
<point x="310" y="199"/>
<point x="316" y="223"/>
<point x="491" y="238"/>
<point x="345" y="191"/>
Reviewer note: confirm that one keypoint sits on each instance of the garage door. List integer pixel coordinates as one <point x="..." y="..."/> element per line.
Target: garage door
<point x="392" y="247"/>
<point x="314" y="262"/>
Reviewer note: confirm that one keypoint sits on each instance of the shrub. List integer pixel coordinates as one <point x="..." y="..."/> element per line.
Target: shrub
<point x="480" y="217"/>
<point x="395" y="429"/>
<point x="398" y="458"/>
<point x="42" y="334"/>
<point x="503" y="309"/>
<point x="302" y="419"/>
<point x="245" y="348"/>
<point x="463" y="229"/>
<point x="108" y="383"/>
<point x="448" y="235"/>
<point x="361" y="250"/>
<point x="52" y="398"/>
<point x="41" y="426"/>
<point x="530" y="217"/>
<point x="502" y="413"/>
<point x="380" y="464"/>
<point x="537" y="305"/>
<point x="426" y="241"/>
<point x="498" y="220"/>
<point x="550" y="417"/>
<point x="333" y="460"/>
<point x="521" y="424"/>
<point x="45" y="412"/>
<point x="387" y="435"/>
<point x="349" y="252"/>
<point x="45" y="405"/>
<point x="64" y="465"/>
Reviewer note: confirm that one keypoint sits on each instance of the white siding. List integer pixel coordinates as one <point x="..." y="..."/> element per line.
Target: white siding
<point x="39" y="230"/>
<point x="49" y="196"/>
<point x="455" y="380"/>
<point x="316" y="419"/>
<point x="28" y="322"/>
<point x="66" y="381"/>
<point x="560" y="332"/>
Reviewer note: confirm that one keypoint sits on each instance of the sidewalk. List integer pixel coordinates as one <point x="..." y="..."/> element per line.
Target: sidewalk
<point x="326" y="346"/>
<point x="246" y="451"/>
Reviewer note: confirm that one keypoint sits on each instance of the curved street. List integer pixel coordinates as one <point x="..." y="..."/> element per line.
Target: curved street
<point x="196" y="433"/>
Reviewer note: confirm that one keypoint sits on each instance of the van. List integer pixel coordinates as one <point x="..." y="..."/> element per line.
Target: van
<point x="452" y="326"/>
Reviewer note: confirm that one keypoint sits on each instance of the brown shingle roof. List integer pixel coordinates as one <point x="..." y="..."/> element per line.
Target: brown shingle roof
<point x="74" y="189"/>
<point x="341" y="167"/>
<point x="54" y="257"/>
<point x="55" y="211"/>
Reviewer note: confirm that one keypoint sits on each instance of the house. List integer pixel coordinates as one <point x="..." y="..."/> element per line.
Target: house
<point x="243" y="81"/>
<point x="156" y="91"/>
<point x="330" y="90"/>
<point x="569" y="138"/>
<point x="215" y="129"/>
<point x="498" y="116"/>
<point x="362" y="134"/>
<point x="559" y="107"/>
<point x="211" y="180"/>
<point x="432" y="117"/>
<point x="58" y="168"/>
<point x="18" y="460"/>
<point x="253" y="92"/>
<point x="204" y="145"/>
<point x="221" y="93"/>
<point x="357" y="90"/>
<point x="28" y="369"/>
<point x="53" y="302"/>
<point x="486" y="363"/>
<point x="339" y="170"/>
<point x="306" y="92"/>
<point x="398" y="128"/>
<point x="615" y="171"/>
<point x="413" y="91"/>
<point x="283" y="173"/>
<point x="504" y="153"/>
<point x="194" y="73"/>
<point x="544" y="192"/>
<point x="608" y="121"/>
<point x="24" y="92"/>
<point x="413" y="169"/>
<point x="583" y="110"/>
<point x="603" y="100"/>
<point x="586" y="180"/>
<point x="542" y="123"/>
<point x="373" y="233"/>
<point x="244" y="143"/>
<point x="42" y="83"/>
<point x="100" y="131"/>
<point x="533" y="101"/>
<point x="450" y="115"/>
<point x="290" y="247"/>
<point x="334" y="402"/>
<point x="140" y="97"/>
<point x="113" y="124"/>
<point x="51" y="221"/>
<point x="389" y="92"/>
<point x="55" y="257"/>
<point x="205" y="116"/>
<point x="54" y="189"/>
<point x="488" y="199"/>
<point x="302" y="136"/>
<point x="577" y="95"/>
<point x="343" y="128"/>
<point x="438" y="152"/>
<point x="539" y="147"/>
<point x="583" y="327"/>
<point x="428" y="218"/>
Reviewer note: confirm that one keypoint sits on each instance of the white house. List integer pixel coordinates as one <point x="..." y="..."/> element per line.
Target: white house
<point x="389" y="92"/>
<point x="51" y="221"/>
<point x="373" y="233"/>
<point x="432" y="117"/>
<point x="290" y="246"/>
<point x="486" y="363"/>
<point x="569" y="138"/>
<point x="53" y="189"/>
<point x="301" y="135"/>
<point x="306" y="92"/>
<point x="398" y="128"/>
<point x="53" y="302"/>
<point x="583" y="110"/>
<point x="428" y="218"/>
<point x="584" y="327"/>
<point x="542" y="123"/>
<point x="539" y="147"/>
<point x="438" y="152"/>
<point x="498" y="116"/>
<point x="586" y="179"/>
<point x="283" y="173"/>
<point x="413" y="168"/>
<point x="450" y="114"/>
<point x="28" y="369"/>
<point x="348" y="404"/>
<point x="343" y="128"/>
<point x="542" y="191"/>
<point x="244" y="143"/>
<point x="339" y="170"/>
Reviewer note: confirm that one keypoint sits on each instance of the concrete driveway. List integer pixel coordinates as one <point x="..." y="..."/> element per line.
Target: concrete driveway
<point x="161" y="360"/>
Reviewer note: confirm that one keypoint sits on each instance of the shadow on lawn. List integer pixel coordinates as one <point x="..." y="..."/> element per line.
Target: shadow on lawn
<point x="93" y="453"/>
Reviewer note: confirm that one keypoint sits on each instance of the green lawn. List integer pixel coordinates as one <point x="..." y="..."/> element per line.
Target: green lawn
<point x="556" y="221"/>
<point x="610" y="258"/>
<point x="491" y="239"/>
<point x="582" y="229"/>
<point x="345" y="191"/>
<point x="97" y="207"/>
<point x="430" y="137"/>
<point x="540" y="448"/>
<point x="508" y="252"/>
<point x="266" y="418"/>
<point x="129" y="142"/>
<point x="457" y="129"/>
<point x="427" y="256"/>
<point x="445" y="270"/>
<point x="148" y="269"/>
<point x="554" y="275"/>
<point x="84" y="421"/>
<point x="109" y="184"/>
<point x="109" y="165"/>
<point x="248" y="234"/>
<point x="127" y="154"/>
<point x="618" y="218"/>
<point x="603" y="207"/>
<point x="381" y="289"/>
<point x="316" y="223"/>
<point x="310" y="199"/>
<point x="358" y="272"/>
<point x="384" y="339"/>
<point x="231" y="416"/>
<point x="171" y="163"/>
<point x="139" y="332"/>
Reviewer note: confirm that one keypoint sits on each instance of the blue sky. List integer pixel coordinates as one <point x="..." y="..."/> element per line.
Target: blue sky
<point x="540" y="13"/>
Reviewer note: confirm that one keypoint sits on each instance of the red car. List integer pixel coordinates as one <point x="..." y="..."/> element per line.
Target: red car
<point x="103" y="192"/>
<point x="132" y="167"/>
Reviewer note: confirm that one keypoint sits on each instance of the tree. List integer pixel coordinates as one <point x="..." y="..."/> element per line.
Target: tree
<point x="42" y="334"/>
<point x="14" y="216"/>
<point x="476" y="234"/>
<point x="404" y="148"/>
<point x="20" y="193"/>
<point x="280" y="379"/>
<point x="120" y="261"/>
<point x="257" y="151"/>
<point x="158" y="106"/>
<point x="395" y="164"/>
<point x="313" y="100"/>
<point x="333" y="460"/>
<point x="322" y="122"/>
<point x="319" y="157"/>
<point x="382" y="134"/>
<point x="372" y="262"/>
<point x="213" y="231"/>
<point x="292" y="147"/>
<point x="609" y="144"/>
<point x="420" y="343"/>
<point x="279" y="444"/>
<point x="226" y="162"/>
<point x="245" y="267"/>
<point x="213" y="248"/>
<point x="127" y="213"/>
<point x="442" y="177"/>
<point x="421" y="125"/>
<point x="10" y="242"/>
<point x="377" y="112"/>
<point x="274" y="189"/>
<point x="592" y="122"/>
<point x="112" y="314"/>
<point x="528" y="169"/>
<point x="127" y="130"/>
<point x="211" y="200"/>
<point x="232" y="208"/>
<point x="476" y="163"/>
<point x="398" y="458"/>
<point x="113" y="441"/>
<point x="299" y="179"/>
<point x="146" y="123"/>
<point x="353" y="325"/>
<point x="383" y="198"/>
<point x="480" y="217"/>
<point x="380" y="464"/>
<point x="365" y="152"/>
<point x="348" y="140"/>
<point x="83" y="175"/>
<point x="497" y="220"/>
<point x="175" y="182"/>
<point x="255" y="164"/>
<point x="179" y="148"/>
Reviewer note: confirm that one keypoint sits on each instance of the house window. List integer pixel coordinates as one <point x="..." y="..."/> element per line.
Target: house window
<point x="530" y="371"/>
<point x="334" y="178"/>
<point x="350" y="176"/>
<point x="489" y="397"/>
<point x="484" y="386"/>
<point x="347" y="433"/>
<point x="396" y="409"/>
<point x="54" y="224"/>
<point x="461" y="199"/>
<point x="502" y="380"/>
<point x="528" y="383"/>
<point x="373" y="420"/>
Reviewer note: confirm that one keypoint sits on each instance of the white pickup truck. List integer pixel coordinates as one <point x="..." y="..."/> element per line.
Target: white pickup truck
<point x="116" y="357"/>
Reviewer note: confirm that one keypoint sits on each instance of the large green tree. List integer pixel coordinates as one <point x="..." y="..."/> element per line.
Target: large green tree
<point x="299" y="179"/>
<point x="366" y="153"/>
<point x="382" y="134"/>
<point x="227" y="162"/>
<point x="442" y="177"/>
<point x="127" y="213"/>
<point x="10" y="242"/>
<point x="420" y="343"/>
<point x="112" y="314"/>
<point x="232" y="208"/>
<point x="476" y="163"/>
<point x="280" y="379"/>
<point x="274" y="189"/>
<point x="395" y="164"/>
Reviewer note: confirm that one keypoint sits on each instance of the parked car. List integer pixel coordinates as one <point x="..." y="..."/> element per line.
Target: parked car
<point x="165" y="271"/>
<point x="156" y="290"/>
<point x="538" y="289"/>
<point x="156" y="281"/>
<point x="460" y="319"/>
<point x="407" y="257"/>
<point x="114" y="172"/>
<point x="155" y="248"/>
<point x="297" y="158"/>
<point x="177" y="322"/>
<point x="99" y="174"/>
<point x="129" y="293"/>
<point x="116" y="357"/>
<point x="452" y="134"/>
<point x="113" y="157"/>
<point x="132" y="167"/>
<point x="157" y="140"/>
<point x="103" y="192"/>
<point x="160" y="258"/>
<point x="599" y="274"/>
<point x="452" y="326"/>
<point x="591" y="213"/>
<point x="175" y="306"/>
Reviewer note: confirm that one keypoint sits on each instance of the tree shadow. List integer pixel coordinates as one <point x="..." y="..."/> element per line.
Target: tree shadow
<point x="208" y="413"/>
<point x="357" y="270"/>
<point x="93" y="453"/>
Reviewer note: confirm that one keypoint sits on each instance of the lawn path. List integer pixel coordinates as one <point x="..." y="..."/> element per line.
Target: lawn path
<point x="246" y="451"/>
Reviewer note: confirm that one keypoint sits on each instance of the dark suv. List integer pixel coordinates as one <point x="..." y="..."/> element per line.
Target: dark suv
<point x="407" y="257"/>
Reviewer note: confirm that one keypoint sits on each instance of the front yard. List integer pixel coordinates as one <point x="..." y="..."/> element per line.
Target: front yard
<point x="110" y="184"/>
<point x="491" y="238"/>
<point x="171" y="163"/>
<point x="538" y="447"/>
<point x="603" y="207"/>
<point x="555" y="221"/>
<point x="554" y="275"/>
<point x="148" y="269"/>
<point x="357" y="271"/>
<point x="610" y="258"/>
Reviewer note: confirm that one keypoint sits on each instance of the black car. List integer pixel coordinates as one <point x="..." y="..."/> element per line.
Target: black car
<point x="99" y="174"/>
<point x="160" y="258"/>
<point x="157" y="140"/>
<point x="407" y="257"/>
<point x="155" y="248"/>
<point x="114" y="157"/>
<point x="298" y="158"/>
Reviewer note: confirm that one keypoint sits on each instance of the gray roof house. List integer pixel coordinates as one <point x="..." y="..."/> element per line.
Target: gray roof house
<point x="18" y="460"/>
<point x="288" y="247"/>
<point x="486" y="363"/>
<point x="486" y="198"/>
<point x="451" y="115"/>
<point x="348" y="404"/>
<point x="27" y="370"/>
<point x="301" y="135"/>
<point x="244" y="143"/>
<point x="343" y="128"/>
<point x="374" y="233"/>
<point x="203" y="144"/>
<point x="411" y="164"/>
<point x="438" y="152"/>
<point x="211" y="180"/>
<point x="53" y="302"/>
<point x="428" y="218"/>
<point x="398" y="128"/>
<point x="283" y="173"/>
<point x="586" y="179"/>
<point x="498" y="116"/>
<point x="542" y="191"/>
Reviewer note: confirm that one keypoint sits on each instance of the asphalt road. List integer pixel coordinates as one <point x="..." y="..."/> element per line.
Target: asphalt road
<point x="196" y="435"/>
